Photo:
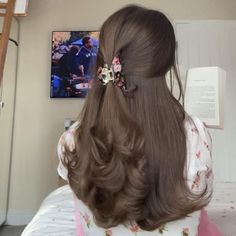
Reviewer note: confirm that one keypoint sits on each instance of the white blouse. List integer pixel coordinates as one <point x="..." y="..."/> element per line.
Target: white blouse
<point x="199" y="175"/>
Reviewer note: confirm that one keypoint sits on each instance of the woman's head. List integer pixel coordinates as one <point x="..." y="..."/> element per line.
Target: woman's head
<point x="144" y="38"/>
<point x="130" y="156"/>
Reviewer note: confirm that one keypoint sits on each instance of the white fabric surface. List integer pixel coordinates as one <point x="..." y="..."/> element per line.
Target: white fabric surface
<point x="56" y="216"/>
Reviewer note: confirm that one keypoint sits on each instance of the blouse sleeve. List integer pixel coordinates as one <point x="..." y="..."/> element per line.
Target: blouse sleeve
<point x="199" y="160"/>
<point x="66" y="140"/>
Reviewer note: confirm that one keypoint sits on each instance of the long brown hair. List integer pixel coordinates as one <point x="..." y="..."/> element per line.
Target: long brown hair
<point x="130" y="156"/>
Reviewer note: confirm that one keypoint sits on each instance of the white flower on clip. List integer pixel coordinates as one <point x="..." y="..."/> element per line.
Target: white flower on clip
<point x="107" y="75"/>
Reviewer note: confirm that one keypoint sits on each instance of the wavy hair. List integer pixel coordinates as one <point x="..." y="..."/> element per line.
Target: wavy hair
<point x="130" y="156"/>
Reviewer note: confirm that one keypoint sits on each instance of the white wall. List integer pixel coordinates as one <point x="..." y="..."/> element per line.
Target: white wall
<point x="7" y="95"/>
<point x="212" y="43"/>
<point x="39" y="119"/>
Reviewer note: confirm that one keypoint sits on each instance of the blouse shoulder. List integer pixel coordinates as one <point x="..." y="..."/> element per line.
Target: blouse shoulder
<point x="199" y="155"/>
<point x="67" y="140"/>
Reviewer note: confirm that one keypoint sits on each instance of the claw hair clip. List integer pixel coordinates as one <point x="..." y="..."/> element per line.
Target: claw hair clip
<point x="113" y="74"/>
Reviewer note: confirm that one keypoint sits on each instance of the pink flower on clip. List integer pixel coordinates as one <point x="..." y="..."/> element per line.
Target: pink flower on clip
<point x="116" y="64"/>
<point x="116" y="61"/>
<point x="117" y="68"/>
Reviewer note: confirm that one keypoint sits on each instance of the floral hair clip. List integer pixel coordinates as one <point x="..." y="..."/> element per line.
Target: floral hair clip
<point x="114" y="74"/>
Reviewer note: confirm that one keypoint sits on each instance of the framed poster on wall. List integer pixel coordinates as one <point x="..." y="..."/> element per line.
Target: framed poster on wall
<point x="73" y="58"/>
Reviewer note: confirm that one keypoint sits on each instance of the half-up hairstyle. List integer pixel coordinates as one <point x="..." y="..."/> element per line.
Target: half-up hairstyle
<point x="130" y="156"/>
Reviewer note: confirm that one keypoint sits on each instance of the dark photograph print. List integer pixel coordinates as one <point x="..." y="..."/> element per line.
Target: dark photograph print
<point x="73" y="59"/>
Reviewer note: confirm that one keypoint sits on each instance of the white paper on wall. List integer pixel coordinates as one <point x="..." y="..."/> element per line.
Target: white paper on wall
<point x="204" y="95"/>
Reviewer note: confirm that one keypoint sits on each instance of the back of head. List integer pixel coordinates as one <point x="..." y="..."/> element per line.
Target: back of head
<point x="131" y="146"/>
<point x="145" y="38"/>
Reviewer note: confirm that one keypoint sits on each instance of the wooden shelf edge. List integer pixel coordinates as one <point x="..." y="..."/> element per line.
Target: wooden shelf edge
<point x="3" y="5"/>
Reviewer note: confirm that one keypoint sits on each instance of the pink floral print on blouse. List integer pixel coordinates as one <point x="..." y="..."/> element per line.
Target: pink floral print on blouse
<point x="185" y="232"/>
<point x="134" y="228"/>
<point x="87" y="219"/>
